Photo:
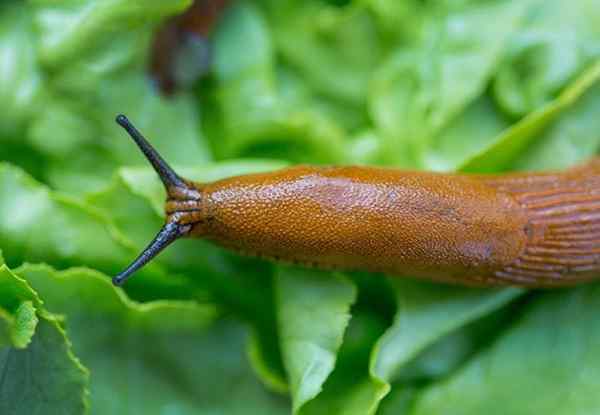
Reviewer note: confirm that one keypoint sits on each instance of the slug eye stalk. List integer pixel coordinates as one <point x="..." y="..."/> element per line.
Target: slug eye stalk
<point x="168" y="176"/>
<point x="167" y="235"/>
<point x="174" y="184"/>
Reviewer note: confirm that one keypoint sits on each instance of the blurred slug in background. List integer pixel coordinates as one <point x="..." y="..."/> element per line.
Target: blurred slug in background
<point x="181" y="51"/>
<point x="524" y="229"/>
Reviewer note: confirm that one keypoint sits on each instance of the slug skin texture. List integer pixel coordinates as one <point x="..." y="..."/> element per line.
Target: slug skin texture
<point x="525" y="229"/>
<point x="412" y="224"/>
<point x="517" y="229"/>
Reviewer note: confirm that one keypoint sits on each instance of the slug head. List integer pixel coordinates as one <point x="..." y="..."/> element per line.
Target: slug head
<point x="182" y="204"/>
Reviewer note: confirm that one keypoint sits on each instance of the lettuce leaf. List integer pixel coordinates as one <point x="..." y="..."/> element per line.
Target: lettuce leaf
<point x="426" y="313"/>
<point x="194" y="364"/>
<point x="543" y="364"/>
<point x="313" y="315"/>
<point x="424" y="85"/>
<point x="555" y="44"/>
<point x="39" y="372"/>
<point x="512" y="142"/>
<point x="84" y="52"/>
<point x="262" y="111"/>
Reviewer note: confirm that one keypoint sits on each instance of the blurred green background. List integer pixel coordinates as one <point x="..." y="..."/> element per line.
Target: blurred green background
<point x="445" y="85"/>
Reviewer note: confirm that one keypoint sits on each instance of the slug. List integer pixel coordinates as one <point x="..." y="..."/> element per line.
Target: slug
<point x="524" y="229"/>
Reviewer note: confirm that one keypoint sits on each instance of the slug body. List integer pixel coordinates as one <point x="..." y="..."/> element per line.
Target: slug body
<point x="403" y="223"/>
<point x="520" y="229"/>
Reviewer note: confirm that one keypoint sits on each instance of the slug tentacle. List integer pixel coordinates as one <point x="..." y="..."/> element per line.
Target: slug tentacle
<point x="184" y="197"/>
<point x="167" y="235"/>
<point x="167" y="175"/>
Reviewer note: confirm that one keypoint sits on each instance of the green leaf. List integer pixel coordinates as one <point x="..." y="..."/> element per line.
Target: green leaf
<point x="402" y="19"/>
<point x="574" y="136"/>
<point x="512" y="142"/>
<point x="465" y="136"/>
<point x="92" y="54"/>
<point x="350" y="388"/>
<point x="557" y="41"/>
<point x="44" y="378"/>
<point x="17" y="328"/>
<point x="74" y="28"/>
<point x="14" y="291"/>
<point x="19" y="73"/>
<point x="262" y="112"/>
<point x="37" y="224"/>
<point x="194" y="364"/>
<point x="39" y="373"/>
<point x="18" y="318"/>
<point x="6" y="324"/>
<point x="335" y="49"/>
<point x="399" y="401"/>
<point x="313" y="313"/>
<point x="427" y="316"/>
<point x="24" y="325"/>
<point x="544" y="364"/>
<point x="422" y="87"/>
<point x="426" y="313"/>
<point x="234" y="58"/>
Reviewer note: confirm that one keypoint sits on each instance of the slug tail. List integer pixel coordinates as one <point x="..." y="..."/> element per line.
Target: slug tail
<point x="563" y="230"/>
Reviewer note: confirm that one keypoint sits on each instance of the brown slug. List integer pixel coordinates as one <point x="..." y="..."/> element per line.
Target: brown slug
<point x="524" y="229"/>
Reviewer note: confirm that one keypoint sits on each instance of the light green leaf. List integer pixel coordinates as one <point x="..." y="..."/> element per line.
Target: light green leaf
<point x="192" y="366"/>
<point x="89" y="144"/>
<point x="335" y="49"/>
<point x="544" y="364"/>
<point x="93" y="53"/>
<point x="37" y="224"/>
<point x="18" y="317"/>
<point x="313" y="313"/>
<point x="38" y="372"/>
<point x="261" y="112"/>
<point x="426" y="313"/>
<point x="575" y="136"/>
<point x="466" y="135"/>
<point x="19" y="74"/>
<point x="512" y="142"/>
<point x="426" y="319"/>
<point x="350" y="389"/>
<point x="24" y="325"/>
<point x="44" y="378"/>
<point x="422" y="87"/>
<point x="557" y="41"/>
<point x="6" y="324"/>
<point x="74" y="28"/>
<point x="403" y="19"/>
